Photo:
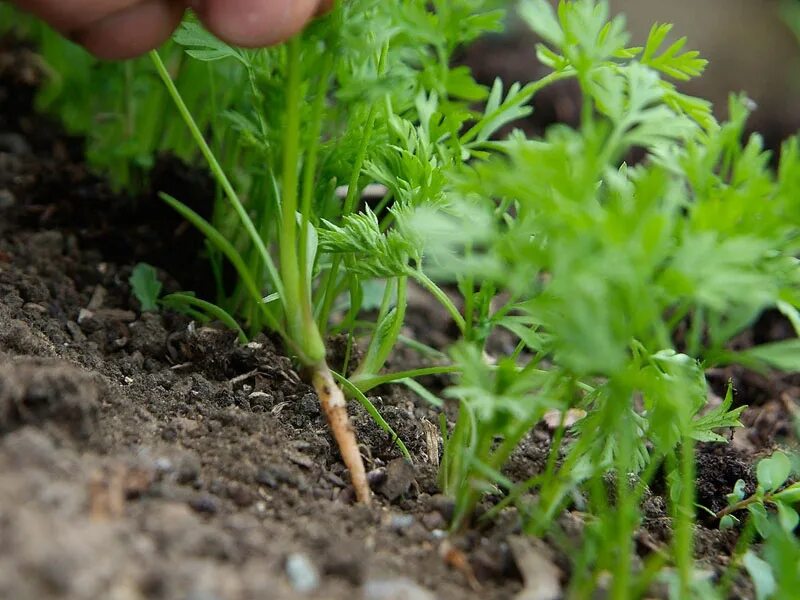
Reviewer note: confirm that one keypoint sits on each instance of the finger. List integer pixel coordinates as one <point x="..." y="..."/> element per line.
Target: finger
<point x="132" y="31"/>
<point x="69" y="15"/>
<point x="255" y="23"/>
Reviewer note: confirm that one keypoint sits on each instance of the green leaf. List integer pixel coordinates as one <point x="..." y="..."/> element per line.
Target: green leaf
<point x="761" y="574"/>
<point x="787" y="516"/>
<point x="218" y="241"/>
<point x="353" y="391"/>
<point x="738" y="492"/>
<point x="760" y="518"/>
<point x="202" y="45"/>
<point x="790" y="495"/>
<point x="373" y="253"/>
<point x="783" y="355"/>
<point x="773" y="472"/>
<point x="180" y="302"/>
<point x="680" y="66"/>
<point x="718" y="418"/>
<point x="541" y="18"/>
<point x="728" y="522"/>
<point x="146" y="286"/>
<point x="500" y="112"/>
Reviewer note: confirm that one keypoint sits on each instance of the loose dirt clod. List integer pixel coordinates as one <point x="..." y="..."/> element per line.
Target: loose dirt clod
<point x="36" y="390"/>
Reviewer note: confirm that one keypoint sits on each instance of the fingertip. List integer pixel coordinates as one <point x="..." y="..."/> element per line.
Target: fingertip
<point x="132" y="32"/>
<point x="256" y="23"/>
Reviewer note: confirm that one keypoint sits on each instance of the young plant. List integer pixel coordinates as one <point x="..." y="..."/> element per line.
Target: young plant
<point x="772" y="474"/>
<point x="365" y="95"/>
<point x="622" y="282"/>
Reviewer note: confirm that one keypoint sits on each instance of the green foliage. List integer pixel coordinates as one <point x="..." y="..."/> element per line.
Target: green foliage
<point x="622" y="280"/>
<point x="146" y="286"/>
<point x="623" y="283"/>
<point x="121" y="109"/>
<point x="773" y="567"/>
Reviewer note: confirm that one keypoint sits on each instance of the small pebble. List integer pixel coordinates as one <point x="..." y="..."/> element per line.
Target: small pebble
<point x="204" y="504"/>
<point x="163" y="465"/>
<point x="395" y="589"/>
<point x="302" y="573"/>
<point x="202" y="595"/>
<point x="400" y="476"/>
<point x="401" y="522"/>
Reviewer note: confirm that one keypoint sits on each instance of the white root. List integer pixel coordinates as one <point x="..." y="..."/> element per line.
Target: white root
<point x="334" y="406"/>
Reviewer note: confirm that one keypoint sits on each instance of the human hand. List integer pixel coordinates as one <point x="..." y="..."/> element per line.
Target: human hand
<point x="114" y="29"/>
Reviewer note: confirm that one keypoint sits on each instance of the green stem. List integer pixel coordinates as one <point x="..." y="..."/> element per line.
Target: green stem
<point x="684" y="519"/>
<point x="301" y="326"/>
<point x="309" y="176"/>
<point x="290" y="268"/>
<point x="367" y="383"/>
<point x="353" y="391"/>
<point x="441" y="296"/>
<point x="217" y="171"/>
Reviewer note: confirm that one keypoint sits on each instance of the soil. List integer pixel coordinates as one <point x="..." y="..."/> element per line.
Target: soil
<point x="143" y="456"/>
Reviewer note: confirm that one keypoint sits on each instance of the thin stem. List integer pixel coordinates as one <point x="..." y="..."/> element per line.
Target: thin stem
<point x="290" y="268"/>
<point x="353" y="391"/>
<point x="684" y="517"/>
<point x="367" y="383"/>
<point x="742" y="544"/>
<point x="441" y="296"/>
<point x="309" y="176"/>
<point x="217" y="171"/>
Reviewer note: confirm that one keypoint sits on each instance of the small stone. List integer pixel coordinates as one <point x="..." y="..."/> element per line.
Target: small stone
<point x="400" y="588"/>
<point x="400" y="522"/>
<point x="163" y="465"/>
<point x="199" y="594"/>
<point x="204" y="504"/>
<point x="32" y="308"/>
<point x="376" y="477"/>
<point x="84" y="316"/>
<point x="399" y="477"/>
<point x="302" y="573"/>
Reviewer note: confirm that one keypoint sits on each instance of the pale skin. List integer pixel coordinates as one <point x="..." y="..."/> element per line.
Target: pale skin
<point x="118" y="29"/>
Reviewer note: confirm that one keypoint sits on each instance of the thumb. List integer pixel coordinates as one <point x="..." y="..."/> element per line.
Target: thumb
<point x="255" y="23"/>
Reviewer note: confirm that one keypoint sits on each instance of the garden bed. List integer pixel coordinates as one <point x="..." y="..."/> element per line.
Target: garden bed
<point x="144" y="457"/>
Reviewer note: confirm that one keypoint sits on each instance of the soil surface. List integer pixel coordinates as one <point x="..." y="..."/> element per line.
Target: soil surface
<point x="143" y="456"/>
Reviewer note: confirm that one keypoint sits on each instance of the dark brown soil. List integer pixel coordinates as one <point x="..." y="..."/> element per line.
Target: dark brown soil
<point x="142" y="456"/>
